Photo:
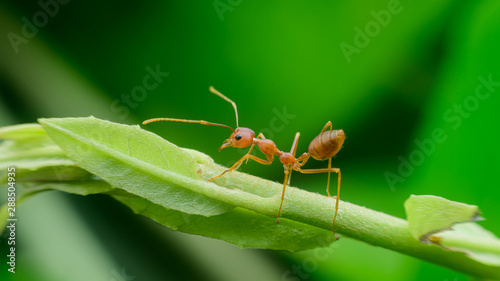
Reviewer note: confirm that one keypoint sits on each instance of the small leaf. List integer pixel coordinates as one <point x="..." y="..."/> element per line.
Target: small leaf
<point x="22" y="131"/>
<point x="427" y="214"/>
<point x="83" y="187"/>
<point x="23" y="143"/>
<point x="4" y="215"/>
<point x="435" y="220"/>
<point x="34" y="155"/>
<point x="472" y="239"/>
<point x="134" y="160"/>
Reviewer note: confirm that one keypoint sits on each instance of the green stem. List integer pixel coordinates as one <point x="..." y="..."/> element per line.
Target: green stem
<point x="357" y="222"/>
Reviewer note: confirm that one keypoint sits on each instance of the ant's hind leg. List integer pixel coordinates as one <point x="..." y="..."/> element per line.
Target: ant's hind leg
<point x="327" y="170"/>
<point x="328" y="124"/>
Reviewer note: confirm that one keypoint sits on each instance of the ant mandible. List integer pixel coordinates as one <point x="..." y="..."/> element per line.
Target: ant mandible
<point x="322" y="147"/>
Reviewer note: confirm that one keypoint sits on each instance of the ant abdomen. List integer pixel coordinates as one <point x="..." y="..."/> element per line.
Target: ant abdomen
<point x="326" y="144"/>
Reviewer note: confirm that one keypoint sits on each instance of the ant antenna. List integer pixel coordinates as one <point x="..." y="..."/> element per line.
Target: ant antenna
<point x="213" y="90"/>
<point x="186" y="121"/>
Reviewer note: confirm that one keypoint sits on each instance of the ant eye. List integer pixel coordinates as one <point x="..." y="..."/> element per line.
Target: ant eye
<point x="237" y="137"/>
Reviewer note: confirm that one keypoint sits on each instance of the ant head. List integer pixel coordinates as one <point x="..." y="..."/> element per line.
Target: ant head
<point x="241" y="137"/>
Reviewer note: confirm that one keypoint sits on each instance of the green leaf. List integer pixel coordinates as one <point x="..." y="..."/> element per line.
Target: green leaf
<point x="427" y="214"/>
<point x="34" y="155"/>
<point x="472" y="239"/>
<point x="22" y="144"/>
<point x="27" y="189"/>
<point x="134" y="160"/>
<point x="435" y="220"/>
<point x="22" y="131"/>
<point x="4" y="215"/>
<point x="241" y="227"/>
<point x="82" y="187"/>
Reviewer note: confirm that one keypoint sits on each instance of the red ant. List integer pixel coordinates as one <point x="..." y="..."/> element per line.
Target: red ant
<point x="322" y="147"/>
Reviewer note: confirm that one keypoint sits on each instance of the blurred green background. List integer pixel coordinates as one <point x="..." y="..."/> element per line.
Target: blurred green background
<point x="389" y="73"/>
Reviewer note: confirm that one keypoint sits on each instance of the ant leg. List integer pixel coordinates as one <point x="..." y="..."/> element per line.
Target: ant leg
<point x="301" y="161"/>
<point x="327" y="170"/>
<point x="328" y="124"/>
<point x="287" y="174"/>
<point x="295" y="143"/>
<point x="328" y="182"/>
<point x="261" y="136"/>
<point x="249" y="151"/>
<point x="293" y="150"/>
<point x="269" y="160"/>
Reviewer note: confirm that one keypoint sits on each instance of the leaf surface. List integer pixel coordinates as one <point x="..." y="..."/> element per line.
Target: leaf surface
<point x="134" y="160"/>
<point x="449" y="224"/>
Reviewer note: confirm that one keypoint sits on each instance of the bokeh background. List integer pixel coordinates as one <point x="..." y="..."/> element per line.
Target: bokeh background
<point x="389" y="73"/>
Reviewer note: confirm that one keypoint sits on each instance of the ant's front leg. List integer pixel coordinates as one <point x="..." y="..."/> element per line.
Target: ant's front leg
<point x="236" y="165"/>
<point x="261" y="136"/>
